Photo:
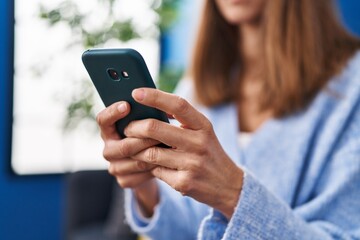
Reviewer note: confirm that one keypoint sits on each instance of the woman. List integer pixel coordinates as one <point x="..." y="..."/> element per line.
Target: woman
<point x="275" y="153"/>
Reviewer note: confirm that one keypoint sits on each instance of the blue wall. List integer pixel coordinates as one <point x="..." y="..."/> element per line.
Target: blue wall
<point x="31" y="207"/>
<point x="350" y="13"/>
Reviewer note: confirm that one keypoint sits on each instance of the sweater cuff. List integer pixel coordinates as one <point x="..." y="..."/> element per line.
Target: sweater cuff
<point x="137" y="221"/>
<point x="258" y="215"/>
<point x="261" y="215"/>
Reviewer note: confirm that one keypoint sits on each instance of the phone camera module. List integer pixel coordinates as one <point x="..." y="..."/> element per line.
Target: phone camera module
<point x="114" y="75"/>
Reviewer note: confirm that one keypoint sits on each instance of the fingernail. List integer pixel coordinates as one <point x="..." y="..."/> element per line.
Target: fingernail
<point x="139" y="94"/>
<point x="122" y="107"/>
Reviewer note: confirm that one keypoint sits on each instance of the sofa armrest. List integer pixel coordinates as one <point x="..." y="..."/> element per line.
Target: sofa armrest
<point x="88" y="198"/>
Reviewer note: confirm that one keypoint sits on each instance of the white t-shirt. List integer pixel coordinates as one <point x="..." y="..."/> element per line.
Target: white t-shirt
<point x="244" y="139"/>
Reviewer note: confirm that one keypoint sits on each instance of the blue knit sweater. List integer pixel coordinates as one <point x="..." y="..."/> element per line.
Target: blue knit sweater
<point x="302" y="176"/>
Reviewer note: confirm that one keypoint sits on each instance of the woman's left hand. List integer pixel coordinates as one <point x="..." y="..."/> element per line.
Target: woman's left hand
<point x="196" y="165"/>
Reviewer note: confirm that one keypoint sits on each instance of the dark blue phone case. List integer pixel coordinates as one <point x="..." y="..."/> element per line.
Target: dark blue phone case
<point x="98" y="62"/>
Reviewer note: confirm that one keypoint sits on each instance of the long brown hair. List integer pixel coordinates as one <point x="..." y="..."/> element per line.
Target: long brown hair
<point x="304" y="45"/>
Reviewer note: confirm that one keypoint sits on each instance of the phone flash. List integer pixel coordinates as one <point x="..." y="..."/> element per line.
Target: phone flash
<point x="124" y="74"/>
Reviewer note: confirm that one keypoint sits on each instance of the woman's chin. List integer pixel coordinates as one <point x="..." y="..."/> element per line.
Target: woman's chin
<point x="239" y="21"/>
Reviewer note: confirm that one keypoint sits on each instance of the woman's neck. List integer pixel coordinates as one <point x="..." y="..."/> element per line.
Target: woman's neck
<point x="250" y="47"/>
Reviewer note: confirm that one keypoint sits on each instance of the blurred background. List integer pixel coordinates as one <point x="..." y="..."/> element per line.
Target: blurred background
<point x="48" y="105"/>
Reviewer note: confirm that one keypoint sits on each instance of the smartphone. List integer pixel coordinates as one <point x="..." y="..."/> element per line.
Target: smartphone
<point x="115" y="73"/>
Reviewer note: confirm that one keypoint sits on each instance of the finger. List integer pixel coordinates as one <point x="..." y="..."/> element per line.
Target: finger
<point x="171" y="104"/>
<point x="106" y="119"/>
<point x="175" y="179"/>
<point x="134" y="180"/>
<point x="158" y="130"/>
<point x="129" y="166"/>
<point x="165" y="157"/>
<point x="119" y="149"/>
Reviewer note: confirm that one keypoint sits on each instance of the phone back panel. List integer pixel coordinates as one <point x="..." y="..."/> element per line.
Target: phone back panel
<point x="98" y="61"/>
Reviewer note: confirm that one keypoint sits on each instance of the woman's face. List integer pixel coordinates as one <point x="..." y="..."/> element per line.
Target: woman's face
<point x="238" y="12"/>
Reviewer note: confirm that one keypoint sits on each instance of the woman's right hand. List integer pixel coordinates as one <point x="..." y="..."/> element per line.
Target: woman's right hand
<point x="129" y="173"/>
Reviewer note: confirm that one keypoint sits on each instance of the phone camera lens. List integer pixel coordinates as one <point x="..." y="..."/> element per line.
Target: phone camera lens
<point x="113" y="74"/>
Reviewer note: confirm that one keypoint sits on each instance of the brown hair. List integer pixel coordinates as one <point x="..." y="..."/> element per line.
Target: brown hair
<point x="304" y="45"/>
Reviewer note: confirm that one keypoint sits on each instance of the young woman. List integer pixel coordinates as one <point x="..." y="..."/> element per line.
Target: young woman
<point x="275" y="151"/>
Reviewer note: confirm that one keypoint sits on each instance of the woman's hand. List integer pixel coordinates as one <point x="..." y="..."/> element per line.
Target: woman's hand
<point x="196" y="165"/>
<point x="128" y="172"/>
